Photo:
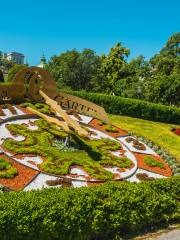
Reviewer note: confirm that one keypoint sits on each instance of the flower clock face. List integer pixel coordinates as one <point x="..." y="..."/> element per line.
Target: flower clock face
<point x="37" y="154"/>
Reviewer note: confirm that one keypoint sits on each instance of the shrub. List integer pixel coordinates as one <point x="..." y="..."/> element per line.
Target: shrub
<point x="106" y="211"/>
<point x="133" y="107"/>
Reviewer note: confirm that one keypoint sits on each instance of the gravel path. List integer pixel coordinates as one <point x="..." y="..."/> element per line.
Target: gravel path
<point x="172" y="235"/>
<point x="166" y="234"/>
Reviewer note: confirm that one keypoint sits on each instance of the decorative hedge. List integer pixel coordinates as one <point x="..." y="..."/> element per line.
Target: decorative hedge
<point x="106" y="211"/>
<point x="133" y="107"/>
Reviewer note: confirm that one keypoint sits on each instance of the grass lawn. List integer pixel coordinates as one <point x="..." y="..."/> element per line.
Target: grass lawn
<point x="159" y="133"/>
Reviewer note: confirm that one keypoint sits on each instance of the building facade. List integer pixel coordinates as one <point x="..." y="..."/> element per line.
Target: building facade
<point x="15" y="57"/>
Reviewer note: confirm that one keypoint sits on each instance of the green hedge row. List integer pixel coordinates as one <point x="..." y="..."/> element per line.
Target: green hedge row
<point x="133" y="107"/>
<point x="103" y="212"/>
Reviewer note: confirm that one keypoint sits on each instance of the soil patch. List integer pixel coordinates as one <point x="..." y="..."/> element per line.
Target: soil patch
<point x="165" y="171"/>
<point x="103" y="127"/>
<point x="25" y="175"/>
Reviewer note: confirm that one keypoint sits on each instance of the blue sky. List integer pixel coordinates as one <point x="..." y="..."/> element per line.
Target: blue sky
<point x="34" y="27"/>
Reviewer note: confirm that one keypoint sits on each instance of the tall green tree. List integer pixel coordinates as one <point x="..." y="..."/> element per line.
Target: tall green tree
<point x="76" y="70"/>
<point x="163" y="85"/>
<point x="131" y="85"/>
<point x="5" y="64"/>
<point x="172" y="47"/>
<point x="114" y="65"/>
<point x="156" y="80"/>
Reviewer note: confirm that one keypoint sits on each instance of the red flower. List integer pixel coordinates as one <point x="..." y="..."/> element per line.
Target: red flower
<point x="176" y="131"/>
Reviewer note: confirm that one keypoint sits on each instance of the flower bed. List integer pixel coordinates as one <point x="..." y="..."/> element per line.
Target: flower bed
<point x="6" y="169"/>
<point x="11" y="109"/>
<point x="144" y="177"/>
<point x="43" y="108"/>
<point x="176" y="131"/>
<point x="108" y="129"/>
<point x="23" y="109"/>
<point x="92" y="155"/>
<point x="25" y="175"/>
<point x="136" y="144"/>
<point x="142" y="163"/>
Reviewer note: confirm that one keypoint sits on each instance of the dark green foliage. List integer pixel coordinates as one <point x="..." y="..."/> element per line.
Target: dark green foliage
<point x="75" y="70"/>
<point x="133" y="107"/>
<point x="105" y="212"/>
<point x="6" y="169"/>
<point x="5" y="64"/>
<point x="153" y="162"/>
<point x="1" y="76"/>
<point x="156" y="80"/>
<point x="15" y="69"/>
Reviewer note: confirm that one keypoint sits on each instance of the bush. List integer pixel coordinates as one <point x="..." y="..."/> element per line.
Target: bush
<point x="103" y="212"/>
<point x="133" y="107"/>
<point x="14" y="70"/>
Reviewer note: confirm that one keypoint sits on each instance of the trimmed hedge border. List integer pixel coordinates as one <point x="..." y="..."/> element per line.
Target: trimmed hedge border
<point x="107" y="211"/>
<point x="133" y="107"/>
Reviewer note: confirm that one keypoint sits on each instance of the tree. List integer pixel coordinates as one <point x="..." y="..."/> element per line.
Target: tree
<point x="5" y="64"/>
<point x="156" y="80"/>
<point x="172" y="46"/>
<point x="131" y="86"/>
<point x="163" y="85"/>
<point x="163" y="89"/>
<point x="114" y="65"/>
<point x="15" y="69"/>
<point x="1" y="76"/>
<point x="76" y="70"/>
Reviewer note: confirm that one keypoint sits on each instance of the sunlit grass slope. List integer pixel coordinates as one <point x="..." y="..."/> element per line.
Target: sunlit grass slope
<point x="159" y="133"/>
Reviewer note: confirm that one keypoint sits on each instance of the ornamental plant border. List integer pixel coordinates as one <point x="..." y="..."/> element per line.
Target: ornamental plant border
<point x="133" y="107"/>
<point x="109" y="211"/>
<point x="34" y="116"/>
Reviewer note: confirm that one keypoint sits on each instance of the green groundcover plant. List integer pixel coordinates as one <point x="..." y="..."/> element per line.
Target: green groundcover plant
<point x="41" y="107"/>
<point x="92" y="155"/>
<point x="107" y="211"/>
<point x="6" y="169"/>
<point x="153" y="162"/>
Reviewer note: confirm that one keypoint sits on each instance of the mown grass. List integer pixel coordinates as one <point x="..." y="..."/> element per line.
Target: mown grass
<point x="159" y="133"/>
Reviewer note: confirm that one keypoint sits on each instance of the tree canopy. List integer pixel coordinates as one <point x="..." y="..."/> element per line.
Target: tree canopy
<point x="1" y="76"/>
<point x="155" y="80"/>
<point x="76" y="70"/>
